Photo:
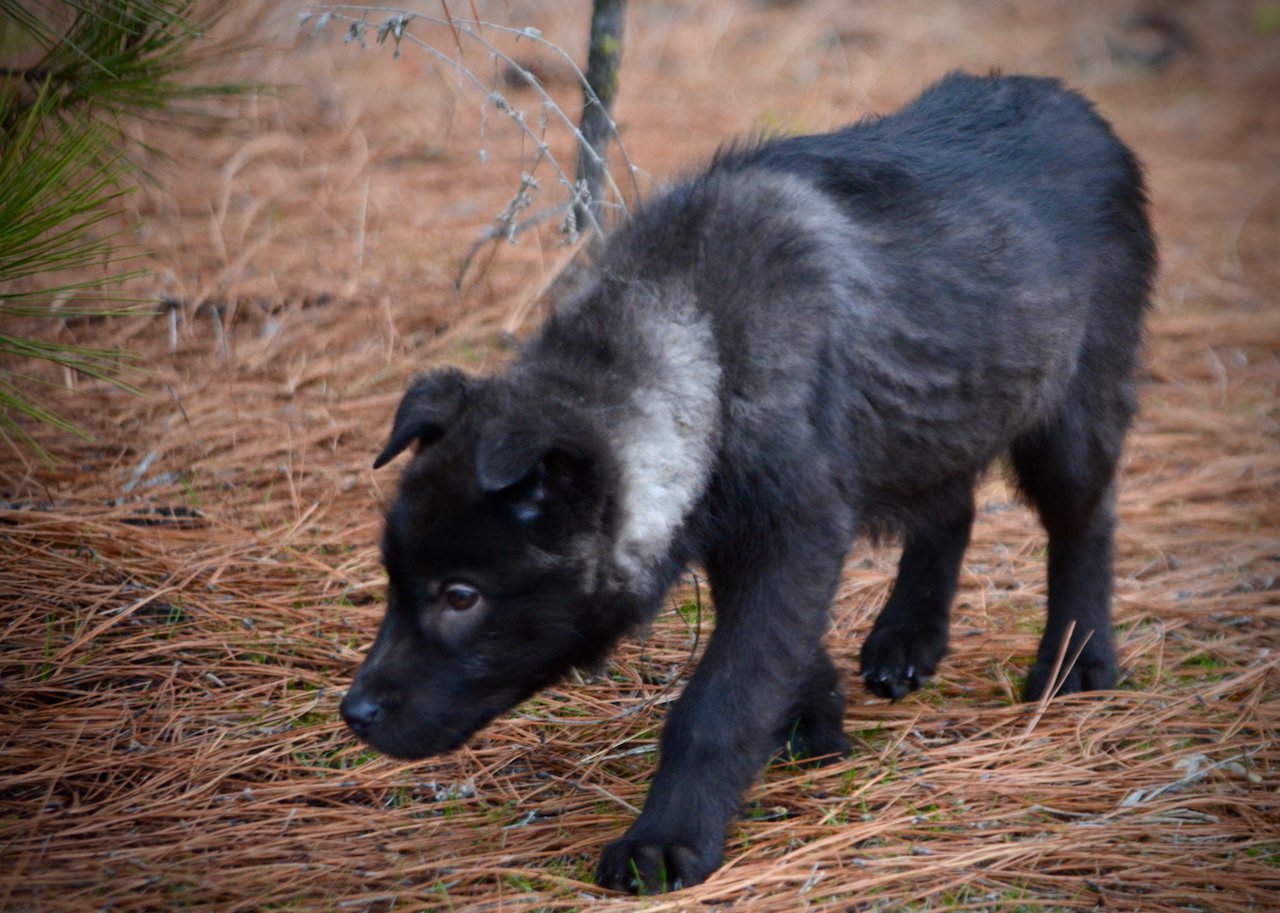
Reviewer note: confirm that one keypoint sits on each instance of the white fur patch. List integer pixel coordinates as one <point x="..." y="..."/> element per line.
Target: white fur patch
<point x="666" y="444"/>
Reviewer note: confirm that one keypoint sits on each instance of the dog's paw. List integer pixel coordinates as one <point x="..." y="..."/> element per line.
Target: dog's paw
<point x="1085" y="675"/>
<point x="813" y="743"/>
<point x="895" y="663"/>
<point x="643" y="866"/>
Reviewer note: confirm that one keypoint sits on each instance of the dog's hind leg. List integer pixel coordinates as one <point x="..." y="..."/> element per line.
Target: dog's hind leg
<point x="1067" y="469"/>
<point x="909" y="636"/>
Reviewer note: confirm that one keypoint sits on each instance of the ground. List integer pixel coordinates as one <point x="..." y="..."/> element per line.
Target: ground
<point x="186" y="595"/>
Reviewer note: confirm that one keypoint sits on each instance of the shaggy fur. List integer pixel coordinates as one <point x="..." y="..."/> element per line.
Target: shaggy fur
<point x="816" y="337"/>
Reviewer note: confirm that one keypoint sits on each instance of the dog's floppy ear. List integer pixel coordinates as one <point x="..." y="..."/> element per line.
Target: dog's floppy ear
<point x="431" y="404"/>
<point x="530" y="466"/>
<point x="507" y="456"/>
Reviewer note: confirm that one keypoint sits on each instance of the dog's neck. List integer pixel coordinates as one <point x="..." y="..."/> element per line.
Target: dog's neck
<point x="666" y="439"/>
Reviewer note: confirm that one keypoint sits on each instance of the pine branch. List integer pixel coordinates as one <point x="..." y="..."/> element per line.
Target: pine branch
<point x="63" y="169"/>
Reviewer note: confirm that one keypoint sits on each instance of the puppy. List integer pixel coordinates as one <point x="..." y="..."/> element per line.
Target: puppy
<point x="817" y="337"/>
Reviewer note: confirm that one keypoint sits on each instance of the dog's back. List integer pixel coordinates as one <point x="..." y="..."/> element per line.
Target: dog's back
<point x="921" y="288"/>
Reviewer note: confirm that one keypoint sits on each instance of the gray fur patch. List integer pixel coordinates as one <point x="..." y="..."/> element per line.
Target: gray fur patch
<point x="666" y="444"/>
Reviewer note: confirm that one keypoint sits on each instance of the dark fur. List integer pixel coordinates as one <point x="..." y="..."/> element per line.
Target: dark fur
<point x="817" y="337"/>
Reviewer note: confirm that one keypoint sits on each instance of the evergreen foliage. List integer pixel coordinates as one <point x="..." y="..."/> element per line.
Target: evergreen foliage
<point x="90" y="64"/>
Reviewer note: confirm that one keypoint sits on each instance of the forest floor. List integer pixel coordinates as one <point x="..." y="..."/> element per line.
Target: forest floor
<point x="186" y="595"/>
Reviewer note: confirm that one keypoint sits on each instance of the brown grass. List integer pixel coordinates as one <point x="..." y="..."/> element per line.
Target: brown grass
<point x="185" y="597"/>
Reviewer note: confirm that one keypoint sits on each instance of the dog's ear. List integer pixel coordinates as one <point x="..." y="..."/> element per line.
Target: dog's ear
<point x="531" y="468"/>
<point x="508" y="455"/>
<point x="431" y="404"/>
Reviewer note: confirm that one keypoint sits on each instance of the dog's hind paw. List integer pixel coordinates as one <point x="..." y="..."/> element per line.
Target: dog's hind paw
<point x="642" y="866"/>
<point x="892" y="684"/>
<point x="894" y="664"/>
<point x="1083" y="676"/>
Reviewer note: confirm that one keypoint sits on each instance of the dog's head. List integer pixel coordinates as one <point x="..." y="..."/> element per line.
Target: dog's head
<point x="496" y="550"/>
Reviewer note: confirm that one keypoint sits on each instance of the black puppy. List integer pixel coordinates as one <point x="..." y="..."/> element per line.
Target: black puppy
<point x="816" y="337"/>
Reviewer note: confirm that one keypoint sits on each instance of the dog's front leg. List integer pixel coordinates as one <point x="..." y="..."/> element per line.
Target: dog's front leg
<point x="771" y="610"/>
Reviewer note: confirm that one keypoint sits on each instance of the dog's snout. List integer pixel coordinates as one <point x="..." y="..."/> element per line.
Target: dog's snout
<point x="359" y="711"/>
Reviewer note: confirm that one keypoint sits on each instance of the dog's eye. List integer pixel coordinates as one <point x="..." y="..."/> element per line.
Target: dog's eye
<point x="460" y="597"/>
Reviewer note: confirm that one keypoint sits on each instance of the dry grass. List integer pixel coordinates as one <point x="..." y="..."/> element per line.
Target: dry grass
<point x="185" y="599"/>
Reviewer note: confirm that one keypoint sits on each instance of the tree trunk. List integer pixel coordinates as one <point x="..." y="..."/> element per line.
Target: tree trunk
<point x="603" y="60"/>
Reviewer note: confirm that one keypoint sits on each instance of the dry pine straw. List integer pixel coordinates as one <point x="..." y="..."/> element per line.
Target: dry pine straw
<point x="172" y="743"/>
<point x="185" y="598"/>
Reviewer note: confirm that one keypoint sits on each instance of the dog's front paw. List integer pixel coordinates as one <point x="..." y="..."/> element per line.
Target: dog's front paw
<point x="895" y="662"/>
<point x="814" y="742"/>
<point x="643" y="866"/>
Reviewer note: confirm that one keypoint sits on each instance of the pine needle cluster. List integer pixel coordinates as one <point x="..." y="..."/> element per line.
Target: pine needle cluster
<point x="75" y="71"/>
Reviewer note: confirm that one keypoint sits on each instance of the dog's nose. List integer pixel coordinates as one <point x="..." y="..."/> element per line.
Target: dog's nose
<point x="359" y="711"/>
